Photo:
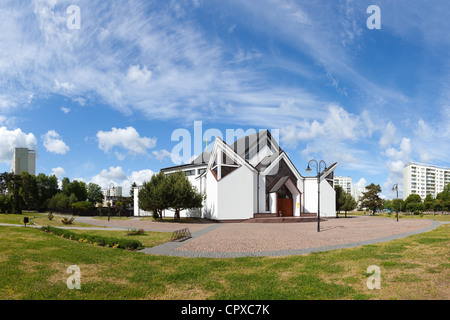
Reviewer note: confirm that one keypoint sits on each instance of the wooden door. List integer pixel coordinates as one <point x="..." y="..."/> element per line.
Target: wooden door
<point x="286" y="207"/>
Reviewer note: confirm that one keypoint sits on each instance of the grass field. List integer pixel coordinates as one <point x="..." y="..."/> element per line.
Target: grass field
<point x="33" y="265"/>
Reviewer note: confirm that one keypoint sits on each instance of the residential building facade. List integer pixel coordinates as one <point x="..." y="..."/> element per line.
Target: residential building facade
<point x="24" y="160"/>
<point x="344" y="182"/>
<point x="423" y="179"/>
<point x="111" y="195"/>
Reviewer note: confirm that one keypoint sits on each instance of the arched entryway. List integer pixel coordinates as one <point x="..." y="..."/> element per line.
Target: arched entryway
<point x="285" y="202"/>
<point x="287" y="197"/>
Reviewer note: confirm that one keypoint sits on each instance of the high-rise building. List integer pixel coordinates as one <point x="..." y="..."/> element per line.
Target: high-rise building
<point x="344" y="182"/>
<point x="423" y="179"/>
<point x="111" y="195"/>
<point x="24" y="160"/>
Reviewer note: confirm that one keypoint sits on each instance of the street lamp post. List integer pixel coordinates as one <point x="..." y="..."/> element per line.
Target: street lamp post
<point x="395" y="188"/>
<point x="318" y="166"/>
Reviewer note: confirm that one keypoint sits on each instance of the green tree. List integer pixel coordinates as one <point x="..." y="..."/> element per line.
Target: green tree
<point x="14" y="185"/>
<point x="4" y="180"/>
<point x="370" y="199"/>
<point x="78" y="188"/>
<point x="47" y="188"/>
<point x="152" y="196"/>
<point x="340" y="199"/>
<point x="29" y="190"/>
<point x="444" y="198"/>
<point x="413" y="203"/>
<point x="428" y="203"/>
<point x="171" y="191"/>
<point x="349" y="204"/>
<point x="133" y="185"/>
<point x="5" y="203"/>
<point x="181" y="194"/>
<point x="94" y="193"/>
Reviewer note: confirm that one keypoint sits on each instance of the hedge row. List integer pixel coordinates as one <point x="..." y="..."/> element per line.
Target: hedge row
<point x="129" y="244"/>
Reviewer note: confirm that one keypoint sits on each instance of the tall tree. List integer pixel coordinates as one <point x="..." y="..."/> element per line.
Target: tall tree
<point x="428" y="203"/>
<point x="340" y="199"/>
<point x="370" y="199"/>
<point x="152" y="196"/>
<point x="14" y="185"/>
<point x="78" y="188"/>
<point x="413" y="203"/>
<point x="29" y="190"/>
<point x="181" y="194"/>
<point x="133" y="185"/>
<point x="94" y="193"/>
<point x="349" y="204"/>
<point x="47" y="188"/>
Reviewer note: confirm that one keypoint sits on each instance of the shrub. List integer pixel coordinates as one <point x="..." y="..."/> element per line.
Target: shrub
<point x="50" y="216"/>
<point x="67" y="221"/>
<point x="128" y="244"/>
<point x="135" y="232"/>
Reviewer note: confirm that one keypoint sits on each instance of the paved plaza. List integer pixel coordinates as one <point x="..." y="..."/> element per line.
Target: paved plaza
<point x="227" y="240"/>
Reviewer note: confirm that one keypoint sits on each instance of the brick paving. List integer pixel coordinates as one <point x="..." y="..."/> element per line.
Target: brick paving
<point x="227" y="240"/>
<point x="262" y="237"/>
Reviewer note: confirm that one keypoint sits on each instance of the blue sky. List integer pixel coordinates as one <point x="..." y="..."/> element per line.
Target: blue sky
<point x="101" y="102"/>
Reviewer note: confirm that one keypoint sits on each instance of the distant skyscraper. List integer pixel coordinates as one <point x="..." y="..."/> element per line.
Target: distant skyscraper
<point x="24" y="160"/>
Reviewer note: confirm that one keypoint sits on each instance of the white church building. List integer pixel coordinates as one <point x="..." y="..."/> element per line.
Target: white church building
<point x="252" y="177"/>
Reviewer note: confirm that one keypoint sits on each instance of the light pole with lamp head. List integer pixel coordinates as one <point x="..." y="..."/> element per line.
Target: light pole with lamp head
<point x="318" y="166"/>
<point x="395" y="188"/>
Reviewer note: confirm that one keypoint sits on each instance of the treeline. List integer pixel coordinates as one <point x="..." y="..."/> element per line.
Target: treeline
<point x="41" y="193"/>
<point x="412" y="204"/>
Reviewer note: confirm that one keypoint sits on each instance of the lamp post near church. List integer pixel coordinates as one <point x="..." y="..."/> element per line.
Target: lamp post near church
<point x="395" y="188"/>
<point x="318" y="167"/>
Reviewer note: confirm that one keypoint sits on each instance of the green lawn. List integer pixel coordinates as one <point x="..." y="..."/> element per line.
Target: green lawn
<point x="33" y="266"/>
<point x="41" y="219"/>
<point x="401" y="215"/>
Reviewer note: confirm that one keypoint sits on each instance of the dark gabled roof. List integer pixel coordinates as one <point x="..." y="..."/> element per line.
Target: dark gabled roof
<point x="200" y="160"/>
<point x="248" y="143"/>
<point x="203" y="158"/>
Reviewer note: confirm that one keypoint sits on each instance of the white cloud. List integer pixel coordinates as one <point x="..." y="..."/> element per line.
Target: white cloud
<point x="161" y="155"/>
<point x="58" y="172"/>
<point x="389" y="136"/>
<point x="53" y="143"/>
<point x="117" y="177"/>
<point x="403" y="153"/>
<point x="128" y="139"/>
<point x="11" y="139"/>
<point x="337" y="124"/>
<point x="138" y="75"/>
<point x="362" y="183"/>
<point x="65" y="110"/>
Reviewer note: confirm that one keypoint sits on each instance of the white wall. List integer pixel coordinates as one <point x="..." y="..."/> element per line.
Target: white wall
<point x="212" y="203"/>
<point x="327" y="198"/>
<point x="236" y="195"/>
<point x="138" y="212"/>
